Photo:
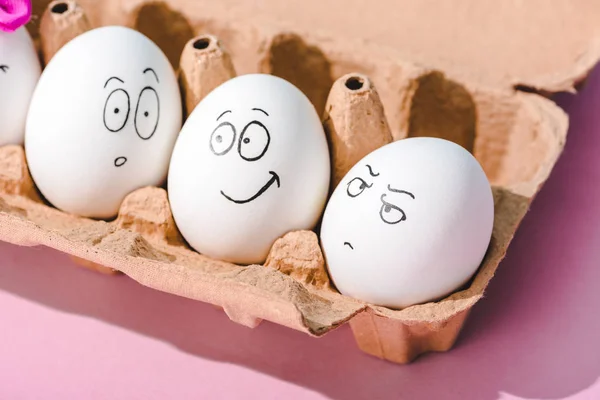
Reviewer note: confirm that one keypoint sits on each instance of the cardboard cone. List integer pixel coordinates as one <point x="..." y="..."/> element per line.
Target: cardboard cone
<point x="62" y="21"/>
<point x="355" y="123"/>
<point x="204" y="65"/>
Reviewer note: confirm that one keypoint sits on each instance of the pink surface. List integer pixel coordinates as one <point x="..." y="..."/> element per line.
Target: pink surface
<point x="67" y="333"/>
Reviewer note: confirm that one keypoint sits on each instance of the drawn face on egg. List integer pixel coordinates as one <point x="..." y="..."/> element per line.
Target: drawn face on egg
<point x="19" y="72"/>
<point x="250" y="164"/>
<point x="390" y="212"/>
<point x="409" y="223"/>
<point x="118" y="109"/>
<point x="250" y="145"/>
<point x="103" y="121"/>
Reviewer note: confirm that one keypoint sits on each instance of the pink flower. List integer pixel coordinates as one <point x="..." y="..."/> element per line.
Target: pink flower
<point x="14" y="14"/>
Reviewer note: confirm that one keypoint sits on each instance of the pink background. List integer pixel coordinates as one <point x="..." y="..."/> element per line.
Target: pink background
<point x="67" y="333"/>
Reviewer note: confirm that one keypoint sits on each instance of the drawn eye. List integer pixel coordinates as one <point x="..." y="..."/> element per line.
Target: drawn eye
<point x="356" y="186"/>
<point x="147" y="113"/>
<point x="254" y="141"/>
<point x="4" y="68"/>
<point x="222" y="138"/>
<point x="116" y="110"/>
<point x="390" y="214"/>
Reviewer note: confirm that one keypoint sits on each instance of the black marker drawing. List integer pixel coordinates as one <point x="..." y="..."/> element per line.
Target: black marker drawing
<point x="4" y="68"/>
<point x="371" y="171"/>
<point x="389" y="213"/>
<point x="155" y="75"/>
<point x="391" y="189"/>
<point x="147" y="113"/>
<point x="261" y="110"/>
<point x="254" y="141"/>
<point x="356" y="186"/>
<point x="111" y="78"/>
<point x="120" y="161"/>
<point x="274" y="179"/>
<point x="349" y="245"/>
<point x="118" y="106"/>
<point x="222" y="138"/>
<point x="223" y="113"/>
<point x="116" y="110"/>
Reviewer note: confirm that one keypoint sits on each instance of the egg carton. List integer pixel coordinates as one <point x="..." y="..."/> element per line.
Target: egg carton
<point x="365" y="96"/>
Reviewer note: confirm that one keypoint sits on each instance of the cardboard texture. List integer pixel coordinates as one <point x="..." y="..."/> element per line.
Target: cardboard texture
<point x="376" y="77"/>
<point x="357" y="96"/>
<point x="62" y="21"/>
<point x="204" y="66"/>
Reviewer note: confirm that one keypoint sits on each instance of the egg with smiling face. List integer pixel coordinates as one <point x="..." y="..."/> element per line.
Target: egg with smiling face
<point x="251" y="164"/>
<point x="19" y="72"/>
<point x="103" y="121"/>
<point x="409" y="223"/>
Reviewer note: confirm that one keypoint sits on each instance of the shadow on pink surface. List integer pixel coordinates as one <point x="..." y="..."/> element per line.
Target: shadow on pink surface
<point x="535" y="335"/>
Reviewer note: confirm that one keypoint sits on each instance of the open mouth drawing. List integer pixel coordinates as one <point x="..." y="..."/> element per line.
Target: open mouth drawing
<point x="120" y="161"/>
<point x="274" y="179"/>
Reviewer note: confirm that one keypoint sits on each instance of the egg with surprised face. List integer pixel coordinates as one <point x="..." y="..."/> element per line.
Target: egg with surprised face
<point x="103" y="121"/>
<point x="19" y="72"/>
<point x="251" y="164"/>
<point x="409" y="223"/>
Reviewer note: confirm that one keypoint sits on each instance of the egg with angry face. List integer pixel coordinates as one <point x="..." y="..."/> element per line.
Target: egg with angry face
<point x="19" y="72"/>
<point x="251" y="164"/>
<point x="103" y="121"/>
<point x="409" y="223"/>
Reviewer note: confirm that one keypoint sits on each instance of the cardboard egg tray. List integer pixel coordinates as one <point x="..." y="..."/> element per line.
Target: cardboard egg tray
<point x="367" y="76"/>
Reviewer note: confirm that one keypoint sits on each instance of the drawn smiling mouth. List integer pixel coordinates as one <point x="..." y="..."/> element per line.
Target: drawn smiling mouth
<point x="120" y="161"/>
<point x="274" y="179"/>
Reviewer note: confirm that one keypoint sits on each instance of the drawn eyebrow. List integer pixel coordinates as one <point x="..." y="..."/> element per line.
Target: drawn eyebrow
<point x="151" y="70"/>
<point x="223" y="113"/>
<point x="261" y="110"/>
<point x="4" y="67"/>
<point x="391" y="189"/>
<point x="371" y="171"/>
<point x="111" y="78"/>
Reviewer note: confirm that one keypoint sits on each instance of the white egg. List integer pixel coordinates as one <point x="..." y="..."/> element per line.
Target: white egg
<point x="19" y="72"/>
<point x="251" y="164"/>
<point x="103" y="121"/>
<point x="409" y="223"/>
